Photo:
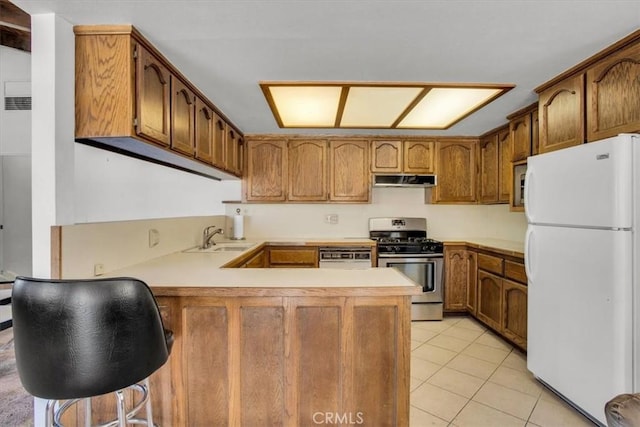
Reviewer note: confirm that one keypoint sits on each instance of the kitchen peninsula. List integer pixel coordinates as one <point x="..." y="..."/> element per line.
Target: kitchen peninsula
<point x="284" y="346"/>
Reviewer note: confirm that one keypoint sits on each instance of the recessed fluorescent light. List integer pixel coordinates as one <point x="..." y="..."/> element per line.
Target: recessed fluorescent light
<point x="442" y="107"/>
<point x="307" y="106"/>
<point x="376" y="105"/>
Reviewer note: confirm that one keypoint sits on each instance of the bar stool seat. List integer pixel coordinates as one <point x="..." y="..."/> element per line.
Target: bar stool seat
<point x="75" y="339"/>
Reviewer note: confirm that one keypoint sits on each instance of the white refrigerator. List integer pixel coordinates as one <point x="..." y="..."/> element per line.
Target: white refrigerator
<point x="582" y="256"/>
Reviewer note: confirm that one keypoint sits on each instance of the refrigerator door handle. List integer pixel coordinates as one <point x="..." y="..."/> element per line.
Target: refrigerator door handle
<point x="528" y="182"/>
<point x="528" y="239"/>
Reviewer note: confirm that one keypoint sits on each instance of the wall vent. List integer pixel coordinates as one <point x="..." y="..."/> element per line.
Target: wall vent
<point x="17" y="103"/>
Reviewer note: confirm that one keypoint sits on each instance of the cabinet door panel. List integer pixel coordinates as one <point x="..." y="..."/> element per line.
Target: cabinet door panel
<point x="514" y="320"/>
<point x="308" y="170"/>
<point x="386" y="156"/>
<point x="520" y="129"/>
<point x="205" y="120"/>
<point x="182" y="118"/>
<point x="561" y="110"/>
<point x="267" y="170"/>
<point x="152" y="100"/>
<point x="418" y="156"/>
<point x="489" y="171"/>
<point x="219" y="142"/>
<point x="349" y="171"/>
<point x="504" y="163"/>
<point x="490" y="299"/>
<point x="456" y="277"/>
<point x="456" y="168"/>
<point x="613" y="92"/>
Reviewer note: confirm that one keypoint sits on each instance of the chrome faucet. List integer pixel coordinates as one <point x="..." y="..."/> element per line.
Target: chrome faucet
<point x="207" y="236"/>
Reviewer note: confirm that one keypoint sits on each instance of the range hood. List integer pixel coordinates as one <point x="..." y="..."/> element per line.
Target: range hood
<point x="403" y="180"/>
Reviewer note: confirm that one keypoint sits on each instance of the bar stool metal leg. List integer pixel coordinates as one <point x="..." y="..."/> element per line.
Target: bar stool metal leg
<point x="149" y="408"/>
<point x="87" y="412"/>
<point x="122" y="414"/>
<point x="49" y="416"/>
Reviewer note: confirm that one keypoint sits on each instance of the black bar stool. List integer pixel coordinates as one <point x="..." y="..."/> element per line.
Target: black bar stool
<point x="75" y="339"/>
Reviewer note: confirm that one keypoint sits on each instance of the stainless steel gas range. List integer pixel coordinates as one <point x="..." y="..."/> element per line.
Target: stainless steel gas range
<point x="403" y="244"/>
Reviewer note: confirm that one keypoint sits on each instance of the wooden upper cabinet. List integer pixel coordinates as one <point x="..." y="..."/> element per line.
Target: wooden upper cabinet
<point x="182" y="118"/>
<point x="233" y="152"/>
<point x="308" y="170"/>
<point x="418" y="156"/>
<point x="205" y="120"/>
<point x="386" y="157"/>
<point x="489" y="169"/>
<point x="520" y="128"/>
<point x="219" y="142"/>
<point x="412" y="157"/>
<point x="266" y="178"/>
<point x="152" y="97"/>
<point x="561" y="110"/>
<point x="349" y="170"/>
<point x="504" y="165"/>
<point x="535" y="133"/>
<point x="456" y="169"/>
<point x="613" y="94"/>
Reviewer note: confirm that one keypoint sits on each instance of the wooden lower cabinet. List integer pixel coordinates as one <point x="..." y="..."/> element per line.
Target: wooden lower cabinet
<point x="490" y="286"/>
<point x="292" y="257"/>
<point x="514" y="315"/>
<point x="291" y="361"/>
<point x="489" y="299"/>
<point x="459" y="266"/>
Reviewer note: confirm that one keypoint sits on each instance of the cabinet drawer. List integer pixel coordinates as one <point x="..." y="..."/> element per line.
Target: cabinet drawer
<point x="293" y="257"/>
<point x="490" y="263"/>
<point x="515" y="271"/>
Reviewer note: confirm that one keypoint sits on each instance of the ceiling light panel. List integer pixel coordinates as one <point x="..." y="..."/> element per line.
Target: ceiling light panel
<point x="442" y="107"/>
<point x="306" y="106"/>
<point x="377" y="107"/>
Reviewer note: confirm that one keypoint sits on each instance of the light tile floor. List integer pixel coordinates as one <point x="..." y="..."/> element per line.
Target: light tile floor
<point x="465" y="375"/>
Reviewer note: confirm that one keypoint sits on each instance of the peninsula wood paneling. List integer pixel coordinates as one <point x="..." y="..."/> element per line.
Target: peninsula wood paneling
<point x="561" y="113"/>
<point x="207" y="402"/>
<point x="613" y="94"/>
<point x="262" y="365"/>
<point x="261" y="361"/>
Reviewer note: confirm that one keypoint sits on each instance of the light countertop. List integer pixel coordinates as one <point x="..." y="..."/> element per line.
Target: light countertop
<point x="200" y="270"/>
<point x="507" y="247"/>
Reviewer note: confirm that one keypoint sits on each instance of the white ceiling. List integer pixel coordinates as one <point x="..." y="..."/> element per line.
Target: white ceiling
<point x="225" y="47"/>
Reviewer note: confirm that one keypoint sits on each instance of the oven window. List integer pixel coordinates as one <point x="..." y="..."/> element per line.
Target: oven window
<point x="423" y="273"/>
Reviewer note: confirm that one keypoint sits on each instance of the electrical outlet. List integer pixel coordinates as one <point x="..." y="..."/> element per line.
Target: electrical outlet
<point x="154" y="237"/>
<point x="331" y="219"/>
<point x="98" y="269"/>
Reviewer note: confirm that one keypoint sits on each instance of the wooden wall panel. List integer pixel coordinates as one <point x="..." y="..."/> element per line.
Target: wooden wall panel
<point x="319" y="377"/>
<point x="262" y="361"/>
<point x="206" y="372"/>
<point x="375" y="379"/>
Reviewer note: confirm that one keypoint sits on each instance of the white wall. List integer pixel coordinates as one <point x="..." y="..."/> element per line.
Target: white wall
<point x="446" y="222"/>
<point x="113" y="187"/>
<point x="15" y="167"/>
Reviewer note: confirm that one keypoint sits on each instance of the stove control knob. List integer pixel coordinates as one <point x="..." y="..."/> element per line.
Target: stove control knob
<point x="396" y="249"/>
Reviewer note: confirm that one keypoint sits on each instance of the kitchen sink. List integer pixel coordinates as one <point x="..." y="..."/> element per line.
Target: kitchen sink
<point x="223" y="247"/>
